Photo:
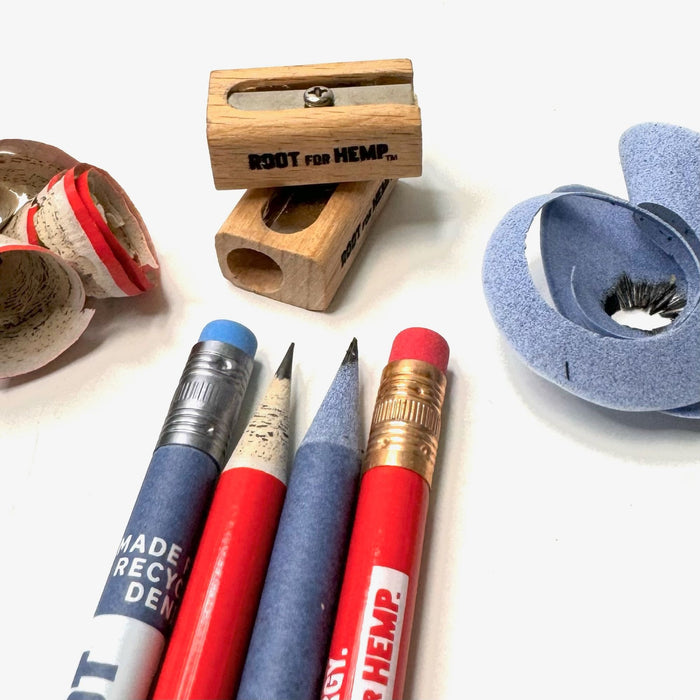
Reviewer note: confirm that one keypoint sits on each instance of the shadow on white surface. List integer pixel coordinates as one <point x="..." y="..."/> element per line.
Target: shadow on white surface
<point x="112" y="316"/>
<point x="646" y="436"/>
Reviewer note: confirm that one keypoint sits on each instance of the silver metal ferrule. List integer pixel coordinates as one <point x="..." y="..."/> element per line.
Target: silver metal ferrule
<point x="208" y="399"/>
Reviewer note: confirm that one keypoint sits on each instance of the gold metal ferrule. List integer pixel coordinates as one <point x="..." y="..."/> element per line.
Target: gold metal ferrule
<point x="406" y="420"/>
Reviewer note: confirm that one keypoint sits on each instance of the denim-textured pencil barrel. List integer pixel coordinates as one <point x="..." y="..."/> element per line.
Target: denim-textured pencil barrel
<point x="288" y="648"/>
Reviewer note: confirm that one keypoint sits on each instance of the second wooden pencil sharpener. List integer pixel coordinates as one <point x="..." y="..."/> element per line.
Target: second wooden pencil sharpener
<point x="295" y="244"/>
<point x="321" y="147"/>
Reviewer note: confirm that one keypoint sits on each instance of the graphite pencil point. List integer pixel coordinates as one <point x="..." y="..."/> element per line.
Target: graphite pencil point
<point x="337" y="419"/>
<point x="284" y="371"/>
<point x="264" y="443"/>
<point x="351" y="354"/>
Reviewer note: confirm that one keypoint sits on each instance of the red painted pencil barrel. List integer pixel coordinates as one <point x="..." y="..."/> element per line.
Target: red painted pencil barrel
<point x="207" y="650"/>
<point x="370" y="643"/>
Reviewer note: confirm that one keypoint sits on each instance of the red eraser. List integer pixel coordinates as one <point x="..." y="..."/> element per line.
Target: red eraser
<point x="421" y="344"/>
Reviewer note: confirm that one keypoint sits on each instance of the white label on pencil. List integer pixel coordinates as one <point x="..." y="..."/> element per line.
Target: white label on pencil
<point x="121" y="662"/>
<point x="382" y="621"/>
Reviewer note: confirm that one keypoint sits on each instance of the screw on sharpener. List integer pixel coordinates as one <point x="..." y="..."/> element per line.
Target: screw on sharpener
<point x="265" y="98"/>
<point x="319" y="96"/>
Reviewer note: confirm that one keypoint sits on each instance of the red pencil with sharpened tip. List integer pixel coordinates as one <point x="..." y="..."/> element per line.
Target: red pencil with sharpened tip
<point x="371" y="637"/>
<point x="210" y="639"/>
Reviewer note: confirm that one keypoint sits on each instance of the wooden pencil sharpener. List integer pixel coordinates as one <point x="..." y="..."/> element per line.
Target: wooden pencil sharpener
<point x="321" y="148"/>
<point x="296" y="244"/>
<point x="299" y="125"/>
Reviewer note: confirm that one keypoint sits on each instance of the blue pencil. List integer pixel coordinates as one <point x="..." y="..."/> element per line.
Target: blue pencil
<point x="137" y="609"/>
<point x="287" y="653"/>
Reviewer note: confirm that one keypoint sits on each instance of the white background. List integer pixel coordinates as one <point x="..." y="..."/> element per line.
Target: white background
<point x="561" y="556"/>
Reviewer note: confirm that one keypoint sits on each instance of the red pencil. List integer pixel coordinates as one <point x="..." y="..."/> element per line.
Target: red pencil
<point x="369" y="647"/>
<point x="207" y="650"/>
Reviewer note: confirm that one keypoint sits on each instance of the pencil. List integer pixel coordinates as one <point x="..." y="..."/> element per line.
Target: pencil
<point x="292" y="629"/>
<point x="206" y="652"/>
<point x="370" y="641"/>
<point x="135" y="614"/>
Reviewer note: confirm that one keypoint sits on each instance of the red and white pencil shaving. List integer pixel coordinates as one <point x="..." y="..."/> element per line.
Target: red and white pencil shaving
<point x="84" y="219"/>
<point x="84" y="216"/>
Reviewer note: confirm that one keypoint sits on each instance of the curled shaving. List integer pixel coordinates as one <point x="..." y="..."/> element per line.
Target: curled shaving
<point x="41" y="307"/>
<point x="67" y="230"/>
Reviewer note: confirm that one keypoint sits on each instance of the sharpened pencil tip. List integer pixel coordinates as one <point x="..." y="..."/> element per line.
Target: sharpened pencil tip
<point x="284" y="371"/>
<point x="337" y="417"/>
<point x="351" y="354"/>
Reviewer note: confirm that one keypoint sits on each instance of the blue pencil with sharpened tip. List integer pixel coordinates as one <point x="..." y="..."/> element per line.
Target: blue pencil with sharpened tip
<point x="287" y="653"/>
<point x="135" y="614"/>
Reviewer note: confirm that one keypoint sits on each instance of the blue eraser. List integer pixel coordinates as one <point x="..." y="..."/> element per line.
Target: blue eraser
<point x="602" y="254"/>
<point x="230" y="332"/>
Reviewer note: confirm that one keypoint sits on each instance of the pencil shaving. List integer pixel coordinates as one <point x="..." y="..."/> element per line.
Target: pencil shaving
<point x="112" y="252"/>
<point x="26" y="167"/>
<point x="41" y="307"/>
<point x="97" y="238"/>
